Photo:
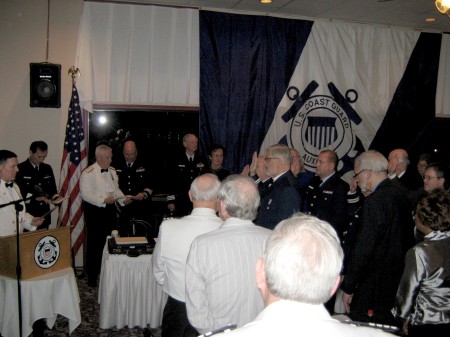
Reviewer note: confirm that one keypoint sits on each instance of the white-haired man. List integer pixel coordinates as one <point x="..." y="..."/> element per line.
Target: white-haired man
<point x="385" y="234"/>
<point x="172" y="248"/>
<point x="281" y="198"/>
<point x="220" y="271"/>
<point x="99" y="187"/>
<point x="299" y="272"/>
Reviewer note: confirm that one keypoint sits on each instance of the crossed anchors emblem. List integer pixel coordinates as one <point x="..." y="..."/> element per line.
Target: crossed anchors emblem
<point x="319" y="122"/>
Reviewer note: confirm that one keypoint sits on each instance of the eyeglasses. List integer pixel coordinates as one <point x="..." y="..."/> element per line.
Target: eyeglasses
<point x="429" y="178"/>
<point x="357" y="174"/>
<point x="269" y="158"/>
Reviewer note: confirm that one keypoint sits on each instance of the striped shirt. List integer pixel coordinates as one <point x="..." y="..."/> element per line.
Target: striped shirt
<point x="220" y="275"/>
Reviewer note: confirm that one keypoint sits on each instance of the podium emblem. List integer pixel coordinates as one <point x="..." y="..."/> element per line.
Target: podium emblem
<point x="46" y="252"/>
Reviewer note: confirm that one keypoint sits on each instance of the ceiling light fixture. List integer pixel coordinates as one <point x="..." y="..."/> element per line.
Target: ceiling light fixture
<point x="266" y="1"/>
<point x="443" y="6"/>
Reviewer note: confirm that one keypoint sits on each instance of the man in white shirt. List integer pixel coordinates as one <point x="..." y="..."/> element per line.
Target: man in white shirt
<point x="10" y="192"/>
<point x="99" y="187"/>
<point x="172" y="248"/>
<point x="298" y="273"/>
<point x="220" y="271"/>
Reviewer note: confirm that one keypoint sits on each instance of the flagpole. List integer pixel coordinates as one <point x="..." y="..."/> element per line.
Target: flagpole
<point x="72" y="164"/>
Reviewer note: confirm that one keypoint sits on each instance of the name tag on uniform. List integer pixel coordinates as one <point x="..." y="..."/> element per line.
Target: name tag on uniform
<point x="180" y="165"/>
<point x="327" y="192"/>
<point x="140" y="170"/>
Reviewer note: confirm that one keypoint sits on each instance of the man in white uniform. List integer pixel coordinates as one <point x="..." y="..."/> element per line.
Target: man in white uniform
<point x="9" y="192"/>
<point x="99" y="187"/>
<point x="172" y="248"/>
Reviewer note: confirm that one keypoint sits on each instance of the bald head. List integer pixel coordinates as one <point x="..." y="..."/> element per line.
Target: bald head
<point x="130" y="151"/>
<point x="398" y="161"/>
<point x="204" y="190"/>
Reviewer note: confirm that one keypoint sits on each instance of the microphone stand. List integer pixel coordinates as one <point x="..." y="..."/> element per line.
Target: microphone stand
<point x="19" y="207"/>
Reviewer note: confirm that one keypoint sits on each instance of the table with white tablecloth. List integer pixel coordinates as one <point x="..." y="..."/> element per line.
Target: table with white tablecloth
<point x="45" y="297"/>
<point x="128" y="293"/>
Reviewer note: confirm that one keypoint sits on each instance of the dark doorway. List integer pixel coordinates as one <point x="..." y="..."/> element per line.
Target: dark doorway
<point x="157" y="133"/>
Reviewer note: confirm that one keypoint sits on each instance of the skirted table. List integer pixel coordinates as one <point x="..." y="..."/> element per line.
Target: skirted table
<point x="42" y="297"/>
<point x="128" y="293"/>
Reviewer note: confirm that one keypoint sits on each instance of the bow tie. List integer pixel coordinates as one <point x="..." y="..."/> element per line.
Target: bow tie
<point x="9" y="184"/>
<point x="103" y="170"/>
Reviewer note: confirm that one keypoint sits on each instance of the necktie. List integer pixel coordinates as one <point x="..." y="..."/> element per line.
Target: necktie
<point x="129" y="165"/>
<point x="36" y="168"/>
<point x="270" y="182"/>
<point x="190" y="159"/>
<point x="103" y="170"/>
<point x="9" y="184"/>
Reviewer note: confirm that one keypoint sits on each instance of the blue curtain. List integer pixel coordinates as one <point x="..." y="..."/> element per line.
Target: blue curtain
<point x="246" y="63"/>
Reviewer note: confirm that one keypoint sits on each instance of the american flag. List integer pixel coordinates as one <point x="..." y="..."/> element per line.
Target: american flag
<point x="73" y="162"/>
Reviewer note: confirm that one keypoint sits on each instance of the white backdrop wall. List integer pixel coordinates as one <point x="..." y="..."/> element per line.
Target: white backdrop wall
<point x="23" y="36"/>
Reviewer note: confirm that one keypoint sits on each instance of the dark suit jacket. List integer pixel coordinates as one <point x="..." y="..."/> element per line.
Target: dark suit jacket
<point x="280" y="201"/>
<point x="27" y="178"/>
<point x="411" y="179"/>
<point x="329" y="201"/>
<point x="377" y="260"/>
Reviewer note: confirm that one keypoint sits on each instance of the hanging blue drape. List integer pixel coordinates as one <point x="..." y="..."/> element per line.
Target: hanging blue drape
<point x="246" y="63"/>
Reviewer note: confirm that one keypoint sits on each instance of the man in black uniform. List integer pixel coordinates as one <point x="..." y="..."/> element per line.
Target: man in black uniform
<point x="187" y="166"/>
<point x="326" y="193"/>
<point x="134" y="180"/>
<point x="36" y="177"/>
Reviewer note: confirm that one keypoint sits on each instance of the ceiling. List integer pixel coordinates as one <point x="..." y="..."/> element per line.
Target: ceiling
<point x="398" y="13"/>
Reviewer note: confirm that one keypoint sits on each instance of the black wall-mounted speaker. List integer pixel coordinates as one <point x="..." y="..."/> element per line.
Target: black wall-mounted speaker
<point x="45" y="85"/>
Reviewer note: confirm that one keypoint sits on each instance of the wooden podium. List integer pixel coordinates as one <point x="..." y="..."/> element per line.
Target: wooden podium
<point x="41" y="252"/>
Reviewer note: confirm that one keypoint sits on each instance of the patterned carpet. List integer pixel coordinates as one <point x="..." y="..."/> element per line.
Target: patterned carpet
<point x="89" y="326"/>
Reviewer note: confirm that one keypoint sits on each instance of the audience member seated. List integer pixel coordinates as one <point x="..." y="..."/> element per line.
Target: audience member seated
<point x="220" y="271"/>
<point x="385" y="234"/>
<point x="216" y="155"/>
<point x="281" y="198"/>
<point x="423" y="297"/>
<point x="299" y="271"/>
<point x="172" y="248"/>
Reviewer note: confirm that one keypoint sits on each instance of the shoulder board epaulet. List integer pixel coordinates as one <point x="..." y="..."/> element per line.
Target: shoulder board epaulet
<point x="90" y="169"/>
<point x="112" y="168"/>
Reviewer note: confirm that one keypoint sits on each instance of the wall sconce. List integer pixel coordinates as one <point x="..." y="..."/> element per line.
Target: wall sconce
<point x="443" y="6"/>
<point x="266" y="1"/>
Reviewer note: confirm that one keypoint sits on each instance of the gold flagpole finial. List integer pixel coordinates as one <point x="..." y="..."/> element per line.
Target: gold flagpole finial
<point x="74" y="72"/>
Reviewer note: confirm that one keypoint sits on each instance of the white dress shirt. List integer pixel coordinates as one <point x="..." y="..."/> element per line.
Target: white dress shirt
<point x="220" y="275"/>
<point x="8" y="213"/>
<point x="172" y="248"/>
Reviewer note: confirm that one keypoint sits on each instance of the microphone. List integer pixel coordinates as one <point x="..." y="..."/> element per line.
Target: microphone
<point x="40" y="191"/>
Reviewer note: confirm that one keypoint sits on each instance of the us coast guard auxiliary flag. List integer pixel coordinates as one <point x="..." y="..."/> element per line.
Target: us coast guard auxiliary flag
<point x="313" y="86"/>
